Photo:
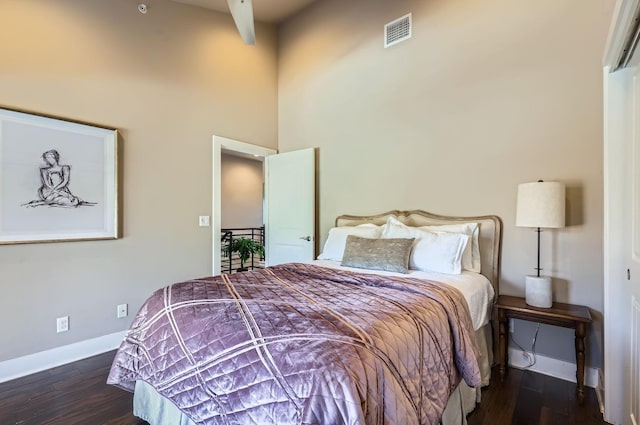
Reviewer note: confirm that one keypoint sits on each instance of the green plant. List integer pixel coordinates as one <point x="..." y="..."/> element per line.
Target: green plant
<point x="245" y="247"/>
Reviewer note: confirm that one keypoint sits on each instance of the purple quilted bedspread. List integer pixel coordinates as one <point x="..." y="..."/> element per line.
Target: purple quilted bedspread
<point x="302" y="344"/>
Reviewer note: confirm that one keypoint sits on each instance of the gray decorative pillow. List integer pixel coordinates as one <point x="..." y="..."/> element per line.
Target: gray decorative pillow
<point x="391" y="255"/>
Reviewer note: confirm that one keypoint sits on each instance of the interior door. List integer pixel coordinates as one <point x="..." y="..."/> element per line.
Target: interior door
<point x="290" y="208"/>
<point x="632" y="244"/>
<point x="622" y="246"/>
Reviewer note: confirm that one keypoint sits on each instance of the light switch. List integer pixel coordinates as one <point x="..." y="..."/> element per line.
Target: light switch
<point x="204" y="221"/>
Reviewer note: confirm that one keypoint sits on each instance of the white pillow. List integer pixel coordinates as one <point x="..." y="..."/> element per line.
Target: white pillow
<point x="471" y="256"/>
<point x="337" y="239"/>
<point x="433" y="251"/>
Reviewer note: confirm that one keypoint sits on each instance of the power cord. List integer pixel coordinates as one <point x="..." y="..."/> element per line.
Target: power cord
<point x="531" y="358"/>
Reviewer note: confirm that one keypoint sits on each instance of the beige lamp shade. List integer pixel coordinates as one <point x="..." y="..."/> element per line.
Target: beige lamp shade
<point x="541" y="204"/>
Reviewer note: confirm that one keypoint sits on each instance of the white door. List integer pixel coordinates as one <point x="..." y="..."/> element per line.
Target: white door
<point x="622" y="245"/>
<point x="632" y="244"/>
<point x="617" y="290"/>
<point x="290" y="209"/>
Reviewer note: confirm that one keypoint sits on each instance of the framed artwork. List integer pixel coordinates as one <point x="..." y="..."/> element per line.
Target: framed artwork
<point x="58" y="179"/>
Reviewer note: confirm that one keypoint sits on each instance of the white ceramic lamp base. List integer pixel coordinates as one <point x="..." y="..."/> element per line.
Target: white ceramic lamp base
<point x="538" y="291"/>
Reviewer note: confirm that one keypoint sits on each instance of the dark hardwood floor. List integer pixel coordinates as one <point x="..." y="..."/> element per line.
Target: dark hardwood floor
<point x="76" y="394"/>
<point x="529" y="398"/>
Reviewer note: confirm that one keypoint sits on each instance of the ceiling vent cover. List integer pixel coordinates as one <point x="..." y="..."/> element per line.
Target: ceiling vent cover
<point x="397" y="31"/>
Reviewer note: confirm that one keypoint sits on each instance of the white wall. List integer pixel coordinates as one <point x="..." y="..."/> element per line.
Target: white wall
<point x="487" y="94"/>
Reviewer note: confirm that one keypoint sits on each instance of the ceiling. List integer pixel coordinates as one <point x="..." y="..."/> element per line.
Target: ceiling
<point x="273" y="11"/>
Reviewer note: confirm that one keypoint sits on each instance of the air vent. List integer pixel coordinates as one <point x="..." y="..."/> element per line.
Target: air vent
<point x="397" y="31"/>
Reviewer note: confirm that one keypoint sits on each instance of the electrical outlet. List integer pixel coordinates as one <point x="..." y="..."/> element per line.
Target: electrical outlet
<point x="62" y="324"/>
<point x="511" y="325"/>
<point x="123" y="311"/>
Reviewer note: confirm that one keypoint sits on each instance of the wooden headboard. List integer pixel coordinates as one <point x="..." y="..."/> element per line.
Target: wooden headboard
<point x="490" y="238"/>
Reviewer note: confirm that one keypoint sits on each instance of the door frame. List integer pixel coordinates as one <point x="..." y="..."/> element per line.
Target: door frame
<point x="616" y="132"/>
<point x="219" y="144"/>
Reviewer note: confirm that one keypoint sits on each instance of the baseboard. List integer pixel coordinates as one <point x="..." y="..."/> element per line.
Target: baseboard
<point x="600" y="391"/>
<point x="37" y="362"/>
<point x="553" y="367"/>
<point x="33" y="363"/>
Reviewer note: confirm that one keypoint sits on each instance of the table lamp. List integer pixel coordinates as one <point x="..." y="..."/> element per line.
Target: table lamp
<point x="540" y="205"/>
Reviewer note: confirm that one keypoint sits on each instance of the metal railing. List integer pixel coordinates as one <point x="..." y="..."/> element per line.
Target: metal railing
<point x="230" y="261"/>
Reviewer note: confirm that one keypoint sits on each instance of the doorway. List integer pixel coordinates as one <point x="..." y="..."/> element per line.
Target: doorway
<point x="242" y="212"/>
<point x="239" y="155"/>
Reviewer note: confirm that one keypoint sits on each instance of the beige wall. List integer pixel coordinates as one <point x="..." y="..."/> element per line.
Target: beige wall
<point x="241" y="181"/>
<point x="486" y="95"/>
<point x="168" y="81"/>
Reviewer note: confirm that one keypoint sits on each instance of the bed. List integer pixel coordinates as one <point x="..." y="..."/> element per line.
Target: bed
<point x="318" y="343"/>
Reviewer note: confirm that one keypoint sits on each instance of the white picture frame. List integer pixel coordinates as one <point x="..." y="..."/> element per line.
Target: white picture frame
<point x="58" y="179"/>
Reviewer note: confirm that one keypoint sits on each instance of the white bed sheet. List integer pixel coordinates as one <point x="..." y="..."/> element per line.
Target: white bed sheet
<point x="475" y="288"/>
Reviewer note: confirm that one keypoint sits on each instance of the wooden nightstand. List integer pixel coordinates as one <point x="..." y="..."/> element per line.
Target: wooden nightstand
<point x="566" y="315"/>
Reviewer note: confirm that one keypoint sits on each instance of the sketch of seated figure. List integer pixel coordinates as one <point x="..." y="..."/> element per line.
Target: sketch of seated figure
<point x="54" y="178"/>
